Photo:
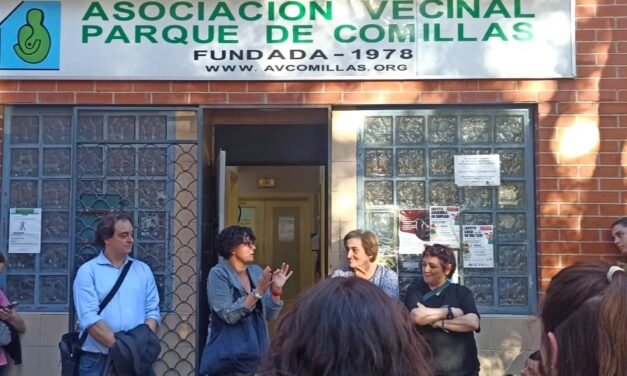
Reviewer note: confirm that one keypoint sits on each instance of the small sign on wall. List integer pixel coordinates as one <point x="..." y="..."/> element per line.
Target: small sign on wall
<point x="266" y="182"/>
<point x="25" y="230"/>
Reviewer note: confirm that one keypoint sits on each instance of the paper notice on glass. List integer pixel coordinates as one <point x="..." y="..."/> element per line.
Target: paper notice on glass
<point x="477" y="170"/>
<point x="413" y="231"/>
<point x="286" y="229"/>
<point x="478" y="247"/>
<point x="24" y="230"/>
<point x="445" y="225"/>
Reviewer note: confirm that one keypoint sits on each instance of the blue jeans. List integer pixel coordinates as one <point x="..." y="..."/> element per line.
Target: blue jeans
<point x="91" y="364"/>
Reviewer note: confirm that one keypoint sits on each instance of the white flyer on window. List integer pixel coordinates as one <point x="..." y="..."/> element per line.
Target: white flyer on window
<point x="445" y="225"/>
<point x="24" y="230"/>
<point x="478" y="247"/>
<point x="413" y="231"/>
<point x="477" y="170"/>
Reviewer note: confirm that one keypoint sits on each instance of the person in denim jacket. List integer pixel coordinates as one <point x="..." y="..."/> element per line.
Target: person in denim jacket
<point x="237" y="287"/>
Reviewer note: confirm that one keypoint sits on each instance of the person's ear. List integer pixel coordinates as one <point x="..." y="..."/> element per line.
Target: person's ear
<point x="554" y="350"/>
<point x="447" y="269"/>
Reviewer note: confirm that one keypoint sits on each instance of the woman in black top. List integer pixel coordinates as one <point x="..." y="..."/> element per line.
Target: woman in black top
<point x="445" y="313"/>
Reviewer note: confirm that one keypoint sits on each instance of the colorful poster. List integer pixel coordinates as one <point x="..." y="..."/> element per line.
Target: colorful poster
<point x="445" y="222"/>
<point x="477" y="170"/>
<point x="24" y="230"/>
<point x="413" y="232"/>
<point x="478" y="246"/>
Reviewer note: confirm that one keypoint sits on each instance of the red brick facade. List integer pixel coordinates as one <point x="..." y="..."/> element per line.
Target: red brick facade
<point x="577" y="197"/>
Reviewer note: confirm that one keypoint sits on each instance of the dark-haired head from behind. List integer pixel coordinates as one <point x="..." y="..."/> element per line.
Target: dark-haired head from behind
<point x="583" y="319"/>
<point x="346" y="327"/>
<point x="231" y="237"/>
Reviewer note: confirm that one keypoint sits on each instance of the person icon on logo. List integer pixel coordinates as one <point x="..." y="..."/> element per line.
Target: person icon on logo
<point x="33" y="39"/>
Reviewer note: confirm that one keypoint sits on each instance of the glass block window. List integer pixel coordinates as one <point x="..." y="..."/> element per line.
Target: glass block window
<point x="38" y="152"/>
<point x="405" y="160"/>
<point x="77" y="166"/>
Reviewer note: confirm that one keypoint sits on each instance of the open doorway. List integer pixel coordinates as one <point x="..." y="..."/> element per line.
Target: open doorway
<point x="274" y="179"/>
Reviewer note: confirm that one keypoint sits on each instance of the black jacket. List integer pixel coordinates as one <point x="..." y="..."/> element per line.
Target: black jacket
<point x="14" y="348"/>
<point x="134" y="352"/>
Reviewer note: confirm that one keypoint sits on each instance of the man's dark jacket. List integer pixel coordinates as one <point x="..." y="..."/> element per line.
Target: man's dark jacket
<point x="134" y="352"/>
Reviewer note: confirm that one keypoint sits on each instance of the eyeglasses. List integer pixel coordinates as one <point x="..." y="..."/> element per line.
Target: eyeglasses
<point x="249" y="243"/>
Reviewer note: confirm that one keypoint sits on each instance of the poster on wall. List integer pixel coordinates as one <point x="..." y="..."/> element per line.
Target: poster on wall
<point x="477" y="170"/>
<point x="445" y="225"/>
<point x="413" y="231"/>
<point x="25" y="230"/>
<point x="286" y="229"/>
<point x="287" y="40"/>
<point x="478" y="247"/>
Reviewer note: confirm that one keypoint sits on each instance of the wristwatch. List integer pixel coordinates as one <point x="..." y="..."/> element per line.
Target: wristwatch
<point x="449" y="313"/>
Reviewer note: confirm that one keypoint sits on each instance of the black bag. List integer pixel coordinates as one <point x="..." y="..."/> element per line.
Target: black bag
<point x="70" y="344"/>
<point x="235" y="347"/>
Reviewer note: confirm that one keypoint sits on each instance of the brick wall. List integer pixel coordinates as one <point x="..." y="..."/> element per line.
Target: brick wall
<point x="578" y="194"/>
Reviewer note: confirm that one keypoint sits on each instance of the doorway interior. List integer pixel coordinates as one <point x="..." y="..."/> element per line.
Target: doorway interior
<point x="270" y="167"/>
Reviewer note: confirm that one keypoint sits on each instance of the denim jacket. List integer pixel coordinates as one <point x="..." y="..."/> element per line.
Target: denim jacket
<point x="222" y="281"/>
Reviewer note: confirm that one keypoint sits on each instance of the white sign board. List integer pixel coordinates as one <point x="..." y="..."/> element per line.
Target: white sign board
<point x="286" y="229"/>
<point x="445" y="225"/>
<point x="477" y="170"/>
<point x="478" y="247"/>
<point x="287" y="40"/>
<point x="24" y="230"/>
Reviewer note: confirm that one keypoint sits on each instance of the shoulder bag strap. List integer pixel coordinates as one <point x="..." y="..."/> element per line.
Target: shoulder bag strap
<point x="435" y="292"/>
<point x="109" y="296"/>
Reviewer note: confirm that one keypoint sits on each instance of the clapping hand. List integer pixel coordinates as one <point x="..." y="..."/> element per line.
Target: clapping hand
<point x="264" y="280"/>
<point x="280" y="276"/>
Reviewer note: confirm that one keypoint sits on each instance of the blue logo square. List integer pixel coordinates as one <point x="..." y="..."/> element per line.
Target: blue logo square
<point x="30" y="36"/>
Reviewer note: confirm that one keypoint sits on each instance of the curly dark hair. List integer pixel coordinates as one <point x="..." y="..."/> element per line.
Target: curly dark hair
<point x="106" y="226"/>
<point x="444" y="254"/>
<point x="346" y="326"/>
<point x="231" y="237"/>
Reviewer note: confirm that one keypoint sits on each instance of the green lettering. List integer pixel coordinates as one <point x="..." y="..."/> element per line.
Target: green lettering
<point x="425" y="13"/>
<point x="175" y="34"/>
<point x="227" y="31"/>
<point x="337" y="33"/>
<point x="524" y="31"/>
<point x="91" y="31"/>
<point x="301" y="32"/>
<point x="244" y="15"/>
<point x="273" y="30"/>
<point x="379" y="33"/>
<point x="95" y="10"/>
<point x="472" y="11"/>
<point x="145" y="31"/>
<point x="327" y="13"/>
<point x="402" y="6"/>
<point x="124" y="11"/>
<point x="437" y="34"/>
<point x="494" y="31"/>
<point x="375" y="14"/>
<point x="496" y="7"/>
<point x="401" y="35"/>
<point x="178" y="17"/>
<point x="460" y="34"/>
<point x="143" y="13"/>
<point x="221" y="10"/>
<point x="300" y="9"/>
<point x="117" y="33"/>
<point x="518" y="11"/>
